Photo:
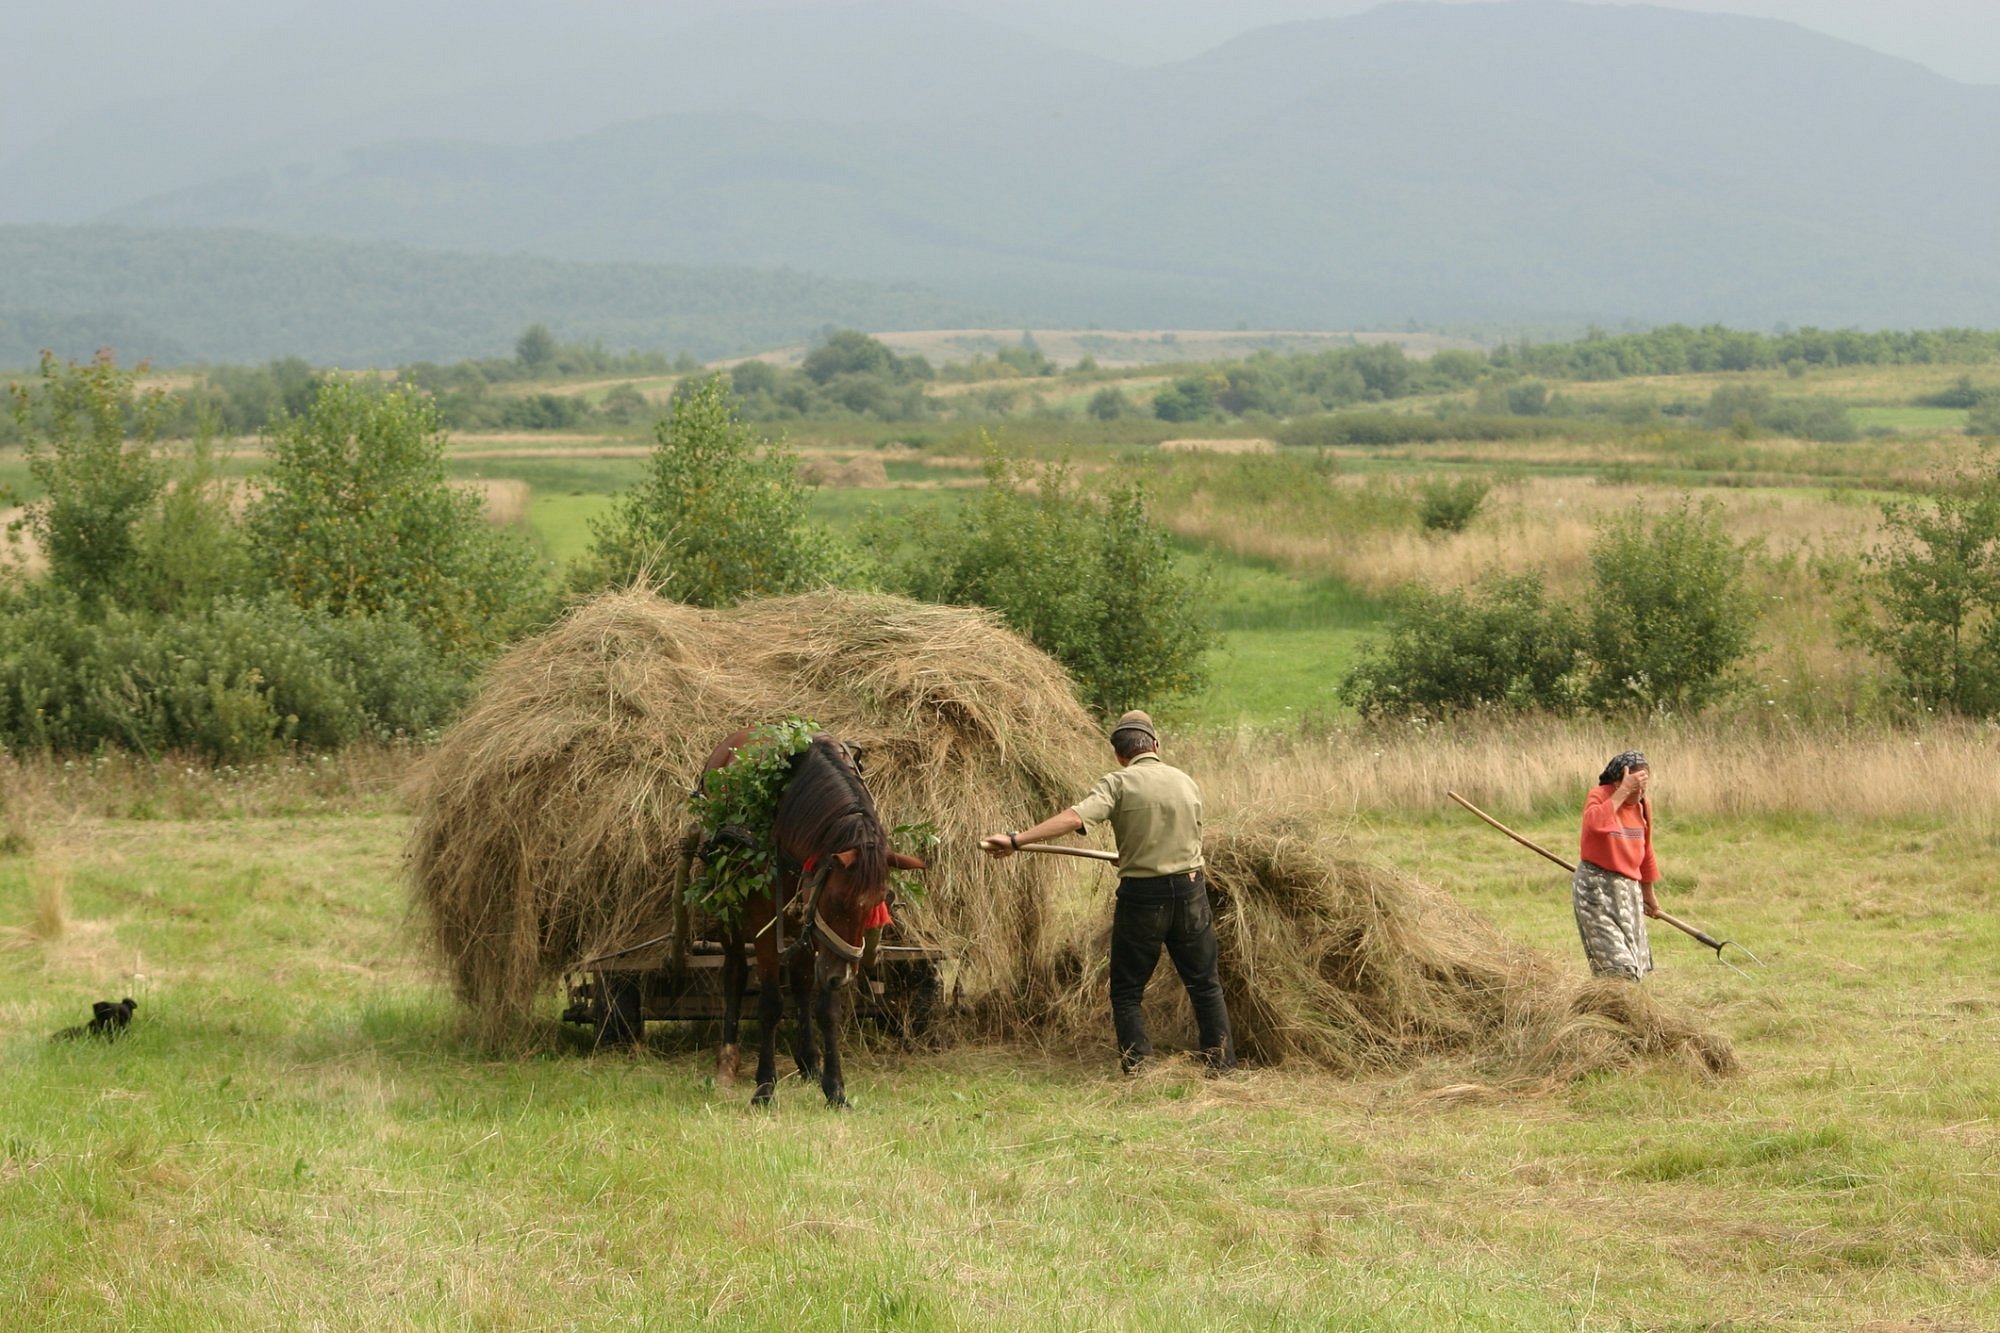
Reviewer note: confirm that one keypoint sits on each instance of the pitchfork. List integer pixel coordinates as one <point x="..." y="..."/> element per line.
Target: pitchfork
<point x="1674" y="921"/>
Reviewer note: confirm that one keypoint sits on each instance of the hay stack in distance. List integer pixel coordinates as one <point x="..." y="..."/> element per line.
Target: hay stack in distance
<point x="550" y="819"/>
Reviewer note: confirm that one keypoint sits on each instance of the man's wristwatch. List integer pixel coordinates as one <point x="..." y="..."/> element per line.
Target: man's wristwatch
<point x="1014" y="841"/>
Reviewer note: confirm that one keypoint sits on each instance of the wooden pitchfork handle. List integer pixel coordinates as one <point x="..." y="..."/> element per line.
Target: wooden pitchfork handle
<point x="1052" y="849"/>
<point x="1670" y="919"/>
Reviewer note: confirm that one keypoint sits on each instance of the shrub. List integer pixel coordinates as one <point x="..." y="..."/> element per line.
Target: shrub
<point x="1934" y="588"/>
<point x="1670" y="615"/>
<point x="96" y="461"/>
<point x="1449" y="506"/>
<point x="1501" y="645"/>
<point x="231" y="682"/>
<point x="356" y="517"/>
<point x="1092" y="581"/>
<point x="1109" y="404"/>
<point x="716" y="518"/>
<point x="1984" y="418"/>
<point x="1380" y="428"/>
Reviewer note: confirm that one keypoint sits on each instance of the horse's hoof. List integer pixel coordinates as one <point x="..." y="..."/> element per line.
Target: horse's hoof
<point x="726" y="1066"/>
<point x="761" y="1097"/>
<point x="837" y="1101"/>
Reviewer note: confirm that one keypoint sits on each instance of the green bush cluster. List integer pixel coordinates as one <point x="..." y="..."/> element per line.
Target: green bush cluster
<point x="1668" y="619"/>
<point x="234" y="681"/>
<point x="356" y="599"/>
<point x="1386" y="428"/>
<point x="1090" y="579"/>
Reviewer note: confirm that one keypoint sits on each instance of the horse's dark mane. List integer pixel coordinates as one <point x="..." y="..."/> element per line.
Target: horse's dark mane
<point x="827" y="808"/>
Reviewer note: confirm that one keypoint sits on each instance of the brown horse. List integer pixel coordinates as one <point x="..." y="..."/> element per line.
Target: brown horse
<point x="833" y="852"/>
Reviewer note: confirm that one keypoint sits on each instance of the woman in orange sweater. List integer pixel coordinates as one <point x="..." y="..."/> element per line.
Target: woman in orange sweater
<point x="1613" y="888"/>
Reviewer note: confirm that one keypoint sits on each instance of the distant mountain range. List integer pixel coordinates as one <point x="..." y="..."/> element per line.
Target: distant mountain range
<point x="1512" y="163"/>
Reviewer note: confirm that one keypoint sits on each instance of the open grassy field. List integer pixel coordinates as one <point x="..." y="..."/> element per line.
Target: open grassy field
<point x="294" y="1135"/>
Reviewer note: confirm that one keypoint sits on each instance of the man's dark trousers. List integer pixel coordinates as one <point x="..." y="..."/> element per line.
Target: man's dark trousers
<point x="1169" y="910"/>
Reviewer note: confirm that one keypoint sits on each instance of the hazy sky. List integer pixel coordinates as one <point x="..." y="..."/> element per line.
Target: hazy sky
<point x="66" y="58"/>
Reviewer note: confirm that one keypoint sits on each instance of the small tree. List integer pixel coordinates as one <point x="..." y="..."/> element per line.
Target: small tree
<point x="1109" y="404"/>
<point x="1935" y="588"/>
<point x="717" y="518"/>
<point x="99" y="470"/>
<point x="536" y="348"/>
<point x="1670" y="614"/>
<point x="356" y="516"/>
<point x="1091" y="581"/>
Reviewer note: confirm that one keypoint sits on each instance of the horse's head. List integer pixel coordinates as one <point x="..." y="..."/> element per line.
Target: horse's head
<point x="827" y="819"/>
<point x="848" y="905"/>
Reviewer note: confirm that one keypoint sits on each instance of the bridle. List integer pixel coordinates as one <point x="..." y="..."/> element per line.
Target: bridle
<point x="820" y="932"/>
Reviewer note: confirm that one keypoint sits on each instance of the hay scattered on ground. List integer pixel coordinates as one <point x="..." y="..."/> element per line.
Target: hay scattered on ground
<point x="1360" y="970"/>
<point x="550" y="819"/>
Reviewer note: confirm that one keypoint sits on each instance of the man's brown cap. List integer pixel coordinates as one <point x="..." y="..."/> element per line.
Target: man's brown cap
<point x="1139" y="722"/>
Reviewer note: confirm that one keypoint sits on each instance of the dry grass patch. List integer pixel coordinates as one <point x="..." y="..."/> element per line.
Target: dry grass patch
<point x="1244" y="446"/>
<point x="505" y="499"/>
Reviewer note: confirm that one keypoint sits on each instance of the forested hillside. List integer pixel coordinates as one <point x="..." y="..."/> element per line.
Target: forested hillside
<point x="212" y="295"/>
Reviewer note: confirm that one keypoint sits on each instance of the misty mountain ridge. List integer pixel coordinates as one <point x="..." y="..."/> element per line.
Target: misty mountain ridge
<point x="1520" y="162"/>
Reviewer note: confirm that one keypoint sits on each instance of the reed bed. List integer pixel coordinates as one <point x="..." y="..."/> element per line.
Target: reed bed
<point x="1712" y="767"/>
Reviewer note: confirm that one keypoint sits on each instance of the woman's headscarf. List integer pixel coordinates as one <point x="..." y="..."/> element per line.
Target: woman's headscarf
<point x="1620" y="765"/>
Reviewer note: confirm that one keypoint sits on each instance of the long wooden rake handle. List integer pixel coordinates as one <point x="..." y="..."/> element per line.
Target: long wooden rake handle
<point x="1050" y="849"/>
<point x="1673" y="921"/>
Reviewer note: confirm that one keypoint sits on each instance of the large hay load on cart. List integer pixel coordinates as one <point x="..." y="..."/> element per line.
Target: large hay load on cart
<point x="551" y="819"/>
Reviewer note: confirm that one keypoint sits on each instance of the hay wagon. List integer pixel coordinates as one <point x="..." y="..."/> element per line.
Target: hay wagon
<point x="900" y="990"/>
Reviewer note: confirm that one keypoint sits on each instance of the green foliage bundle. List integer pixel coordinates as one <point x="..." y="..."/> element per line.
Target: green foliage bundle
<point x="357" y="517"/>
<point x="717" y="518"/>
<point x="1092" y="581"/>
<point x="734" y="810"/>
<point x="1504" y="644"/>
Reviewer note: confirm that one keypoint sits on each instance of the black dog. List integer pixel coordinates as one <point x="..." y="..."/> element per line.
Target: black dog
<point x="110" y="1022"/>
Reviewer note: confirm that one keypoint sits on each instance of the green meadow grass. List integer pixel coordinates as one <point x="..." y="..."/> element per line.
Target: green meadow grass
<point x="1910" y="418"/>
<point x="1284" y="644"/>
<point x="295" y="1135"/>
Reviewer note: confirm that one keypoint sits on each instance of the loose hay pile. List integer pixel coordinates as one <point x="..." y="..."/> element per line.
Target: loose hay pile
<point x="550" y="822"/>
<point x="1358" y="969"/>
<point x="550" y="819"/>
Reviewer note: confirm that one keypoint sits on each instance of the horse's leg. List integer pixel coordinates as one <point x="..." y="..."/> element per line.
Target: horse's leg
<point x="770" y="1009"/>
<point x="735" y="972"/>
<point x="826" y="1011"/>
<point x="803" y="1049"/>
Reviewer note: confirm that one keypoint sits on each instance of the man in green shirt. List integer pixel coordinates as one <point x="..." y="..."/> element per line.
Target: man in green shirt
<point x="1154" y="811"/>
